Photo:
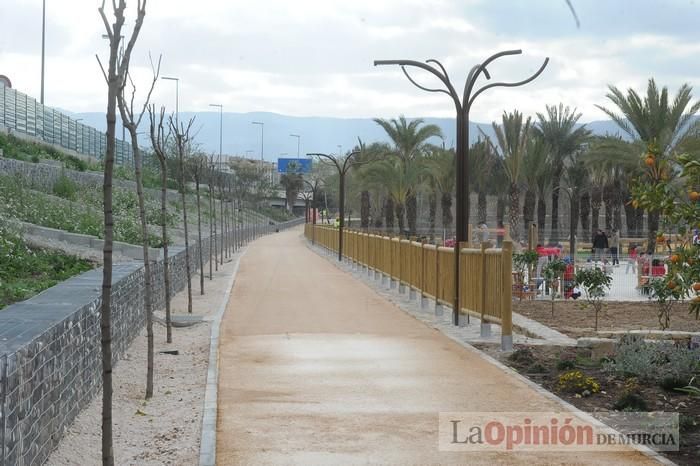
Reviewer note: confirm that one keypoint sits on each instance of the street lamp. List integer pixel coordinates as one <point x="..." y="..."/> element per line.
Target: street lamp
<point x="298" y="141"/>
<point x="177" y="98"/>
<point x="343" y="166"/>
<point x="462" y="151"/>
<point x="262" y="140"/>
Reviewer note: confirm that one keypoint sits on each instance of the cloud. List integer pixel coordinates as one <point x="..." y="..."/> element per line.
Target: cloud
<point x="314" y="57"/>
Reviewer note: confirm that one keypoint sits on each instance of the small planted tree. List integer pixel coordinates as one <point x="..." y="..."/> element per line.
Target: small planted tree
<point x="667" y="292"/>
<point x="552" y="273"/>
<point x="594" y="283"/>
<point x="159" y="140"/>
<point x="198" y="164"/>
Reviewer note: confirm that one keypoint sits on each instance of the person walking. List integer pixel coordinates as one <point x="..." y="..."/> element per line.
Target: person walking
<point x="615" y="247"/>
<point x="632" y="260"/>
<point x="483" y="234"/>
<point x="600" y="244"/>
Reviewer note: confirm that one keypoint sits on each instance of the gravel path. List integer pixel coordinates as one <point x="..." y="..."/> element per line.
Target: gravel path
<point x="165" y="430"/>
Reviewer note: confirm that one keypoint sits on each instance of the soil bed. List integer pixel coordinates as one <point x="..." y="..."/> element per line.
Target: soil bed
<point x="539" y="364"/>
<point x="574" y="320"/>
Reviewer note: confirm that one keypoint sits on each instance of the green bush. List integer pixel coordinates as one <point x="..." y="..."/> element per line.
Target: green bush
<point x="65" y="188"/>
<point x="630" y="402"/>
<point x="653" y="362"/>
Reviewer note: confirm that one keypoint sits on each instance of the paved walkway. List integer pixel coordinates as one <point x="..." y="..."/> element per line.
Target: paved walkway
<point x="316" y="368"/>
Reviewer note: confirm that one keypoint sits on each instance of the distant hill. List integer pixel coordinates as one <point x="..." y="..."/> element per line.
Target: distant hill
<point x="318" y="134"/>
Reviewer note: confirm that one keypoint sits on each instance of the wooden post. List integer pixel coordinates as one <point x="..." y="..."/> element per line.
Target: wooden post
<point x="469" y="235"/>
<point x="485" y="327"/>
<point x="506" y="297"/>
<point x="532" y="237"/>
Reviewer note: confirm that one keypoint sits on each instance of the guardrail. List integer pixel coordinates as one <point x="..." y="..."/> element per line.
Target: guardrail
<point x="486" y="280"/>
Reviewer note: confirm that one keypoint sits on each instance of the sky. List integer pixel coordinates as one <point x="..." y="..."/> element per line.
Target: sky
<point x="315" y="57"/>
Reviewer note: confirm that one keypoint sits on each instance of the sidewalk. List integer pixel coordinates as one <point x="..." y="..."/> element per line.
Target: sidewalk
<point x="316" y="368"/>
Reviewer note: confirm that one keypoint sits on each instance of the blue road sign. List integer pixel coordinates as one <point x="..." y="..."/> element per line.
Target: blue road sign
<point x="294" y="165"/>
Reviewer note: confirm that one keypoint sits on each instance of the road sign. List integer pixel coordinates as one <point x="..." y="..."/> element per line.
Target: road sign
<point x="294" y="165"/>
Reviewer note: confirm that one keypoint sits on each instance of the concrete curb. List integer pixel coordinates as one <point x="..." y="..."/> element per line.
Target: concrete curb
<point x="207" y="446"/>
<point x="646" y="451"/>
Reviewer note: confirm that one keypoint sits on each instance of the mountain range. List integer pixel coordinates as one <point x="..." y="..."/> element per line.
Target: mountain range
<point x="318" y="134"/>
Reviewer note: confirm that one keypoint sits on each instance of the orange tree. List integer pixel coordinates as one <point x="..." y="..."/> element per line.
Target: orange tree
<point x="670" y="188"/>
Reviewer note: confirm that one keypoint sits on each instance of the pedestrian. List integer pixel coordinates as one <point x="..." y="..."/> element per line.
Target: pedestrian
<point x="615" y="247"/>
<point x="631" y="259"/>
<point x="600" y="244"/>
<point x="500" y="234"/>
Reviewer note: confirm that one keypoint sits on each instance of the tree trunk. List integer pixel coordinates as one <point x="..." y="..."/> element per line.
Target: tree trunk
<point x="211" y="228"/>
<point x="446" y="207"/>
<point x="389" y="213"/>
<point x="364" y="209"/>
<point x="541" y="213"/>
<point x="221" y="218"/>
<point x="618" y="196"/>
<point x="106" y="299"/>
<point x="556" y="178"/>
<point x="529" y="208"/>
<point x="500" y="210"/>
<point x="181" y="151"/>
<point x="514" y="212"/>
<point x="630" y="218"/>
<point x="481" y="206"/>
<point x="573" y="223"/>
<point x="596" y="201"/>
<point x="652" y="228"/>
<point x="608" y="202"/>
<point x="199" y="235"/>
<point x="399" y="208"/>
<point x="411" y="213"/>
<point x="379" y="219"/>
<point x="164" y="237"/>
<point x="432" y="212"/>
<point x="585" y="212"/>
<point x="148" y="298"/>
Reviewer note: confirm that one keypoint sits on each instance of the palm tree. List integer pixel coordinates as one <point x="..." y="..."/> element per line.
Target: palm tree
<point x="440" y="167"/>
<point x="512" y="137"/>
<point x="535" y="175"/>
<point x="409" y="140"/>
<point x="559" y="130"/>
<point x="399" y="182"/>
<point x="481" y="160"/>
<point x="656" y="124"/>
<point x="292" y="181"/>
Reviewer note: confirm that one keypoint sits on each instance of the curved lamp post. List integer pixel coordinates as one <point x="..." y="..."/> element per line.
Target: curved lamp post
<point x="343" y="166"/>
<point x="462" y="108"/>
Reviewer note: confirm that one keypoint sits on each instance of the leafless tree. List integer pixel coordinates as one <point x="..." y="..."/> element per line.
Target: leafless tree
<point x="117" y="70"/>
<point x="182" y="145"/>
<point x="198" y="164"/>
<point x="131" y="121"/>
<point x="159" y="141"/>
<point x="212" y="217"/>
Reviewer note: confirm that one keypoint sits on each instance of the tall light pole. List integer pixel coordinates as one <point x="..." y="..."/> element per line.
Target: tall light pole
<point x="177" y="98"/>
<point x="262" y="140"/>
<point x="43" y="47"/>
<point x="462" y="108"/>
<point x="343" y="165"/>
<point x="298" y="142"/>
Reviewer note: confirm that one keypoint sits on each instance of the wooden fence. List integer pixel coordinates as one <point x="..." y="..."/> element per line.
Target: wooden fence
<point x="485" y="278"/>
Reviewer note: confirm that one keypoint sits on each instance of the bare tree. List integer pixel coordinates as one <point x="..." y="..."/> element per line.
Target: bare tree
<point x="212" y="217"/>
<point x="159" y="140"/>
<point x="222" y="217"/>
<point x="131" y="122"/>
<point x="117" y="69"/>
<point x="182" y="144"/>
<point x="197" y="166"/>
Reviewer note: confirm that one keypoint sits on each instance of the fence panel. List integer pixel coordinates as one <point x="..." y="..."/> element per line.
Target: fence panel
<point x="23" y="114"/>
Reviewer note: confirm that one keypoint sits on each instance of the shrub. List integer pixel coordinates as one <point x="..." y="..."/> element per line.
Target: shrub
<point x="594" y="283"/>
<point x="65" y="188"/>
<point x="653" y="361"/>
<point x="565" y="364"/>
<point x="630" y="402"/>
<point x="577" y="382"/>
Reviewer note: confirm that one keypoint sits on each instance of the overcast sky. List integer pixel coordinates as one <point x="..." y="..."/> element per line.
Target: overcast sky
<point x="314" y="57"/>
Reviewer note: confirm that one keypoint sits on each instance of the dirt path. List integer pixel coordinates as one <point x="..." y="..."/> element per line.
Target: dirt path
<point x="318" y="369"/>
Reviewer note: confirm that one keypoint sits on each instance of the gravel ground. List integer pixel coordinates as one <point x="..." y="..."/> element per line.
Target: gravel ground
<point x="165" y="430"/>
